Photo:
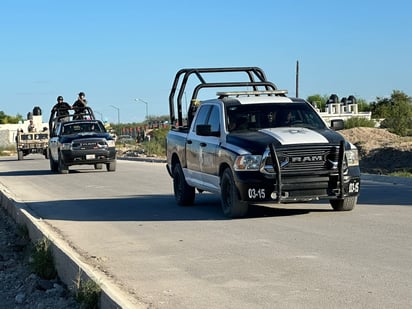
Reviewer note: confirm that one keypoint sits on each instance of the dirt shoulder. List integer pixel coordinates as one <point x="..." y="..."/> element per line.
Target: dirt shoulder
<point x="381" y="152"/>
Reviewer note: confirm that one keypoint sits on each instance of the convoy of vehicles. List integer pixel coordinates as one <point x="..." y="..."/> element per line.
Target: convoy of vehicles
<point x="250" y="144"/>
<point x="254" y="144"/>
<point x="80" y="139"/>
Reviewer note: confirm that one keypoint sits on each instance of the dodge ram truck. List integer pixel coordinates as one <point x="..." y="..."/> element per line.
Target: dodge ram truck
<point x="253" y="144"/>
<point x="80" y="140"/>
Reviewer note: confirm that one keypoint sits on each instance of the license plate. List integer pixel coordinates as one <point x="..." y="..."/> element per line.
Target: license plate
<point x="90" y="157"/>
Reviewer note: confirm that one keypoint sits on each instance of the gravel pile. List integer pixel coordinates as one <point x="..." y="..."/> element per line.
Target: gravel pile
<point x="19" y="287"/>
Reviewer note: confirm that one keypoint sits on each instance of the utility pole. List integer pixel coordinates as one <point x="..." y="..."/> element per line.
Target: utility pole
<point x="297" y="78"/>
<point x="118" y="113"/>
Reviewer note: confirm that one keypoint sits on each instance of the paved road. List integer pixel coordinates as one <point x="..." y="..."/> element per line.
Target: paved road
<point x="294" y="256"/>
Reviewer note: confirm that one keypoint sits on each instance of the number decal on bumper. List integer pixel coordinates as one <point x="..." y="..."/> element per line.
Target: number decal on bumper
<point x="354" y="187"/>
<point x="256" y="193"/>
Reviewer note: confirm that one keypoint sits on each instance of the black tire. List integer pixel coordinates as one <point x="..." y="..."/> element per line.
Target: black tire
<point x="20" y="155"/>
<point x="53" y="164"/>
<point x="232" y="205"/>
<point x="111" y="167"/>
<point x="184" y="194"/>
<point x="98" y="166"/>
<point x="345" y="204"/>
<point x="46" y="154"/>
<point x="61" y="167"/>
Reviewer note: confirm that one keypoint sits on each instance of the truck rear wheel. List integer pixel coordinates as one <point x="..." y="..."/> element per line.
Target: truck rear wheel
<point x="184" y="194"/>
<point x="232" y="205"/>
<point x="345" y="204"/>
<point x="20" y="155"/>
<point x="111" y="167"/>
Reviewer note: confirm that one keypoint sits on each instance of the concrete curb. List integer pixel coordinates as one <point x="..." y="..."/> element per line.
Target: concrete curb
<point x="68" y="262"/>
<point x="388" y="179"/>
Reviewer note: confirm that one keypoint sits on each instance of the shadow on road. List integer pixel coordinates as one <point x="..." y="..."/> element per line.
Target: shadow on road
<point x="150" y="208"/>
<point x="207" y="207"/>
<point x="85" y="169"/>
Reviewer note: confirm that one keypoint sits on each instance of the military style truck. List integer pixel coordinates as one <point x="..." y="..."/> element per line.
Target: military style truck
<point x="253" y="144"/>
<point x="31" y="142"/>
<point x="35" y="140"/>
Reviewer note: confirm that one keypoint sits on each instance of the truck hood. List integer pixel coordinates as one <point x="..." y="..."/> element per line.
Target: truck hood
<point x="257" y="141"/>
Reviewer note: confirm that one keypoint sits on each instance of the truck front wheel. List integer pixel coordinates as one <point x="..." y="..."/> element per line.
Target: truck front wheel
<point x="232" y="205"/>
<point x="345" y="204"/>
<point x="184" y="194"/>
<point x="62" y="168"/>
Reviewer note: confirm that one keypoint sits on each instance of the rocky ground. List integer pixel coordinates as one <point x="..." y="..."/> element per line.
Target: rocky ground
<point x="19" y="287"/>
<point x="380" y="152"/>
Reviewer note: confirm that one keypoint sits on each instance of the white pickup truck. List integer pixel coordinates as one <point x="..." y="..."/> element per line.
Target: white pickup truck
<point x="256" y="146"/>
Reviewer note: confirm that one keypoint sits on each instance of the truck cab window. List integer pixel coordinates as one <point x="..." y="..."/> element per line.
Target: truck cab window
<point x="202" y="116"/>
<point x="214" y="119"/>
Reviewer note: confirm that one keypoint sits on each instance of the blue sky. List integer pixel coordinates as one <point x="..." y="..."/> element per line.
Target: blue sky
<point x="117" y="51"/>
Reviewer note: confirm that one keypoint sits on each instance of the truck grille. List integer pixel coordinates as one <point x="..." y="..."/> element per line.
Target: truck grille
<point x="84" y="145"/>
<point x="303" y="161"/>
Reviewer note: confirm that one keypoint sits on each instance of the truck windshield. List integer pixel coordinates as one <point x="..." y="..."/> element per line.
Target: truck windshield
<point x="78" y="128"/>
<point x="261" y="116"/>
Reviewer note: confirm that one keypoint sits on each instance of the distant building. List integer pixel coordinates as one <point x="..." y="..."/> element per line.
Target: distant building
<point x="345" y="109"/>
<point x="8" y="132"/>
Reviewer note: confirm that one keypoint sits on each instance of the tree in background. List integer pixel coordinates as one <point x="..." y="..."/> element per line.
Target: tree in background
<point x="6" y="119"/>
<point x="396" y="111"/>
<point x="363" y="106"/>
<point x="318" y="101"/>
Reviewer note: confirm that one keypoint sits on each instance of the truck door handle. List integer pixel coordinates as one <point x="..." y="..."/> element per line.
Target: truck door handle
<point x="203" y="144"/>
<point x="189" y="141"/>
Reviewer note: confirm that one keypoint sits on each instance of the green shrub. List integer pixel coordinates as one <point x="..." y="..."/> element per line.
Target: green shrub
<point x="355" y="122"/>
<point x="88" y="294"/>
<point x="157" y="145"/>
<point x="42" y="262"/>
<point x="405" y="173"/>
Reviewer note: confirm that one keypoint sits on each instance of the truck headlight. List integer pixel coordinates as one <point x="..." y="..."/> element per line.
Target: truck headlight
<point x="352" y="157"/>
<point x="110" y="143"/>
<point x="66" y="146"/>
<point x="247" y="163"/>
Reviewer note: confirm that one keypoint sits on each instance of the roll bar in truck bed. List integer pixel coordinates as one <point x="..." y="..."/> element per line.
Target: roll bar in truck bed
<point x="255" y="78"/>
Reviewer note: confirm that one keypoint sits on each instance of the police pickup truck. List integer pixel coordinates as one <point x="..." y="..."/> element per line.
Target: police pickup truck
<point x="80" y="139"/>
<point x="256" y="146"/>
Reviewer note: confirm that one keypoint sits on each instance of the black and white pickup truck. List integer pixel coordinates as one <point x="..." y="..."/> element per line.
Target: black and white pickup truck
<point x="80" y="139"/>
<point x="253" y="144"/>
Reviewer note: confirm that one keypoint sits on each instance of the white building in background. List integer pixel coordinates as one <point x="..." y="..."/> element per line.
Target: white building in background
<point x="8" y="132"/>
<point x="345" y="109"/>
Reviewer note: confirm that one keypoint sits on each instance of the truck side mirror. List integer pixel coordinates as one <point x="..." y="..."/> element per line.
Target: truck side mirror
<point x="337" y="124"/>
